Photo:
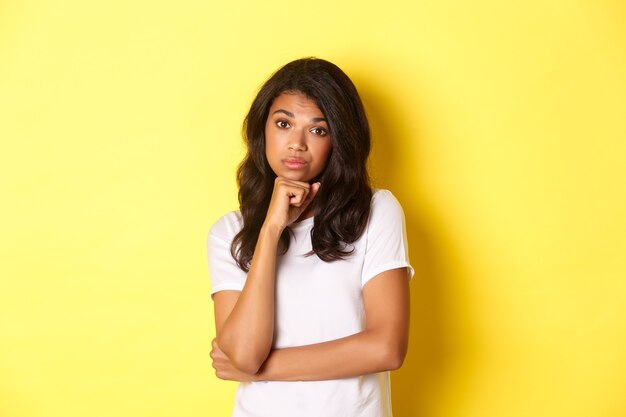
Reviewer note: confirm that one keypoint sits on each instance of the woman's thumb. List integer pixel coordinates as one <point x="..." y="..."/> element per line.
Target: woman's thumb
<point x="313" y="192"/>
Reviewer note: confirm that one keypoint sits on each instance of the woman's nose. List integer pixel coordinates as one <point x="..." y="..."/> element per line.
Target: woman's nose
<point x="297" y="141"/>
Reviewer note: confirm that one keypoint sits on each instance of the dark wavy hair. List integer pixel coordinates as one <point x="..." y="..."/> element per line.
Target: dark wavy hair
<point x="342" y="204"/>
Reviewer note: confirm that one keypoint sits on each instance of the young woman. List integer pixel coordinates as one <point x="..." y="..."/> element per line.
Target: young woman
<point x="310" y="277"/>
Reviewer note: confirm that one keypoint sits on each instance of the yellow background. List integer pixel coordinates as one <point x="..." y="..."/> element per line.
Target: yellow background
<point x="500" y="126"/>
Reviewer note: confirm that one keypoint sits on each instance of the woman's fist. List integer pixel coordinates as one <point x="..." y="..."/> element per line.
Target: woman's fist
<point x="290" y="199"/>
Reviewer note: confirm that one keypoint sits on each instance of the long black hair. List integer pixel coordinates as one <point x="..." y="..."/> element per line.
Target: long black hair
<point x="342" y="204"/>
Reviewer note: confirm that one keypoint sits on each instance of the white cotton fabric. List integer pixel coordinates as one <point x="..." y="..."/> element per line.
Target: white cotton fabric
<point x="317" y="301"/>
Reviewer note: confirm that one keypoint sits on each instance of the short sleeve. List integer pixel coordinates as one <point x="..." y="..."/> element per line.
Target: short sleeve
<point x="223" y="270"/>
<point x="386" y="243"/>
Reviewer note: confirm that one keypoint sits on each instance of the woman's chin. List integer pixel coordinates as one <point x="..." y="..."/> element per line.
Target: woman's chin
<point x="297" y="176"/>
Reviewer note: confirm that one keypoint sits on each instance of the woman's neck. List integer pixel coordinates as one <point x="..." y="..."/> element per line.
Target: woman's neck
<point x="306" y="214"/>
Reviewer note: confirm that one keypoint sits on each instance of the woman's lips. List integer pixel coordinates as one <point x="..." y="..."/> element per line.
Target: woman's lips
<point x="294" y="163"/>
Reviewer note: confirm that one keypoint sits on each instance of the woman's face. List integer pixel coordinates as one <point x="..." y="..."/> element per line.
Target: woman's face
<point x="297" y="139"/>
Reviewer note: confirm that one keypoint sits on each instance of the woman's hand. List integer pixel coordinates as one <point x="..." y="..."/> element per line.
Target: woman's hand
<point x="224" y="369"/>
<point x="289" y="200"/>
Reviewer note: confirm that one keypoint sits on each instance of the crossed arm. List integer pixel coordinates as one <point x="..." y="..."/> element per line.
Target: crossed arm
<point x="380" y="346"/>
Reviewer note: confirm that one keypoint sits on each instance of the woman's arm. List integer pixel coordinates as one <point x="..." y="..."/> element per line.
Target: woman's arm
<point x="245" y="319"/>
<point x="381" y="346"/>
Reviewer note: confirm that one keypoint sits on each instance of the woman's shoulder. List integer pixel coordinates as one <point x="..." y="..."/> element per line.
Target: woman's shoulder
<point x="385" y="207"/>
<point x="227" y="226"/>
<point x="383" y="197"/>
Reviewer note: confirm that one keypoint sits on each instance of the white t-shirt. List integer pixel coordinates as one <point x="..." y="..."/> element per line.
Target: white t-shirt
<point x="317" y="301"/>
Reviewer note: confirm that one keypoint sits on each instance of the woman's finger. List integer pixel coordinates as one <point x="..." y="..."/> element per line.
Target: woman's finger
<point x="296" y="191"/>
<point x="311" y="194"/>
<point x="297" y="196"/>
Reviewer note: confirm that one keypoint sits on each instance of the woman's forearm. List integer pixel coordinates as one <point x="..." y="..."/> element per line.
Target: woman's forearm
<point x="246" y="335"/>
<point x="245" y="322"/>
<point x="363" y="353"/>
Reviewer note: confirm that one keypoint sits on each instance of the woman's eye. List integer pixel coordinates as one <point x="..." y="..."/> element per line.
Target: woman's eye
<point x="319" y="131"/>
<point x="282" y="124"/>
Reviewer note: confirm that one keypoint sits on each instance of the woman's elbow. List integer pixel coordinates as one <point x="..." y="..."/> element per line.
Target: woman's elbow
<point x="247" y="364"/>
<point x="394" y="354"/>
<point x="245" y="358"/>
<point x="395" y="361"/>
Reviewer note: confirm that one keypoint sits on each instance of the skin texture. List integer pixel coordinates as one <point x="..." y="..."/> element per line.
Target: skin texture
<point x="298" y="144"/>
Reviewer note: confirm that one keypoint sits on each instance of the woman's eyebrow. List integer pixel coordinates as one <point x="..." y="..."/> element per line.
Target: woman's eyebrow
<point x="290" y="114"/>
